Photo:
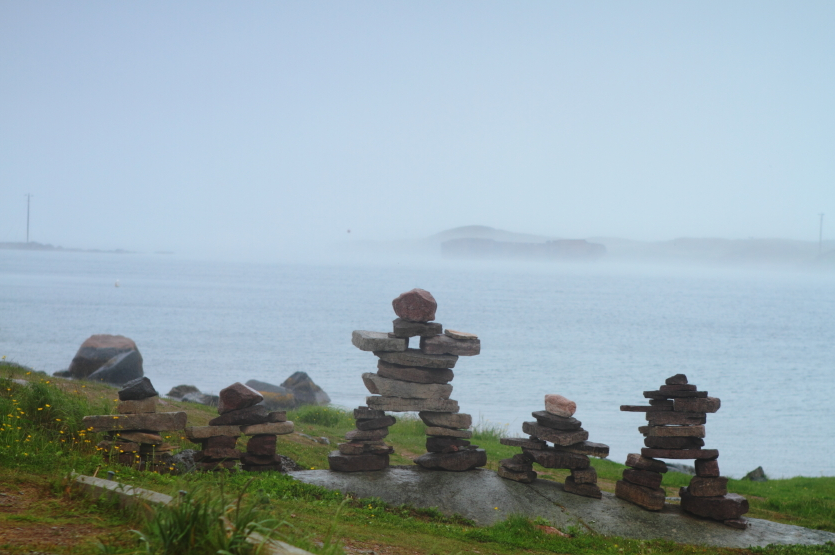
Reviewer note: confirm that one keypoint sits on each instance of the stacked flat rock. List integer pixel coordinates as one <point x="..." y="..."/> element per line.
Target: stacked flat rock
<point x="676" y="417"/>
<point x="133" y="436"/>
<point x="240" y="414"/>
<point x="412" y="380"/>
<point x="570" y="449"/>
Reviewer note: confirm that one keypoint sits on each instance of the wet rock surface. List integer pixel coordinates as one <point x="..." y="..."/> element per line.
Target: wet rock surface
<point x="474" y="495"/>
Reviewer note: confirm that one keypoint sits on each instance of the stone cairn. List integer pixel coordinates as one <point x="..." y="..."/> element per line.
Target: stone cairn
<point x="412" y="380"/>
<point x="677" y="413"/>
<point x="133" y="436"/>
<point x="240" y="414"/>
<point x="570" y="450"/>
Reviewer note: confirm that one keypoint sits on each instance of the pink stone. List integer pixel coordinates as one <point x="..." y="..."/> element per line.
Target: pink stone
<point x="416" y="305"/>
<point x="559" y="405"/>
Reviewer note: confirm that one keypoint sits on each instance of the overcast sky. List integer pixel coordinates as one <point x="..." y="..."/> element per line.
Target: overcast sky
<point x="216" y="127"/>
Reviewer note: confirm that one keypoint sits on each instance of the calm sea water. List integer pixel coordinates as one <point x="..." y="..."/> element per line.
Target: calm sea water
<point x="600" y="335"/>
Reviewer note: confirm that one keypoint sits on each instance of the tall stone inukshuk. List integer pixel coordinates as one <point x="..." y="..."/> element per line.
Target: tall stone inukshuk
<point x="570" y="450"/>
<point x="412" y="380"/>
<point x="677" y="413"/>
<point x="240" y="414"/>
<point x="133" y="436"/>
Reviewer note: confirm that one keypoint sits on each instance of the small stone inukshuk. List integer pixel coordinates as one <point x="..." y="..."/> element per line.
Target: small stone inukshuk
<point x="133" y="436"/>
<point x="677" y="414"/>
<point x="412" y="380"/>
<point x="240" y="414"/>
<point x="570" y="450"/>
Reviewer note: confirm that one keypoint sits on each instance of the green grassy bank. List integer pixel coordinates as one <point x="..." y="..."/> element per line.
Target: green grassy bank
<point x="42" y="440"/>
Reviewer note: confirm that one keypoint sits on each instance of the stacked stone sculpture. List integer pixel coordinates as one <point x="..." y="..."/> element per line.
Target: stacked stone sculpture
<point x="240" y="414"/>
<point x="570" y="450"/>
<point x="133" y="436"/>
<point x="677" y="414"/>
<point x="412" y="380"/>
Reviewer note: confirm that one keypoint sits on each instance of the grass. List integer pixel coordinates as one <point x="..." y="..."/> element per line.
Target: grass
<point x="42" y="440"/>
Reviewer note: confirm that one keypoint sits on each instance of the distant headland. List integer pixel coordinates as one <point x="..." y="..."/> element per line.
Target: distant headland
<point x="34" y="246"/>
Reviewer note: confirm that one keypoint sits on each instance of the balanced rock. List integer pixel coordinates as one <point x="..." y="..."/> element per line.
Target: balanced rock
<point x="96" y="351"/>
<point x="446" y="419"/>
<point x="726" y="507"/>
<point x="256" y="414"/>
<point x="236" y="397"/>
<point x="413" y="357"/>
<point x="560" y="406"/>
<point x="136" y="390"/>
<point x="649" y="498"/>
<point x="416" y="305"/>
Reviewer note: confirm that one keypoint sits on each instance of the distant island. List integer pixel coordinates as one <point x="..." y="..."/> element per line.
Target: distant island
<point x="488" y="243"/>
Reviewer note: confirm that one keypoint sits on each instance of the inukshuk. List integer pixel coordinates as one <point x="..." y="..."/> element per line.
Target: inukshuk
<point x="133" y="436"/>
<point x="240" y="414"/>
<point x="677" y="414"/>
<point x="570" y="450"/>
<point x="412" y="380"/>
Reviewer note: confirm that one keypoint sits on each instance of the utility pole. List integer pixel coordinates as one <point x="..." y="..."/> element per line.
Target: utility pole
<point x="28" y="200"/>
<point x="820" y="236"/>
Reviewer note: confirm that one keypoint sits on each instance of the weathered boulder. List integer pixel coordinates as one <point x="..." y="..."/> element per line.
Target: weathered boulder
<point x="416" y="305"/>
<point x="98" y="350"/>
<point x="560" y="406"/>
<point x="305" y="391"/>
<point x="275" y="396"/>
<point x="120" y="369"/>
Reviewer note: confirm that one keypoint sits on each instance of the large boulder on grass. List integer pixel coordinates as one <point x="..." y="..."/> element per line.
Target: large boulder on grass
<point x="305" y="391"/>
<point x="97" y="350"/>
<point x="119" y="370"/>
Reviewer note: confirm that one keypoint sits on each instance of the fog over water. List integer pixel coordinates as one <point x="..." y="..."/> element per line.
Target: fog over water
<point x="266" y="130"/>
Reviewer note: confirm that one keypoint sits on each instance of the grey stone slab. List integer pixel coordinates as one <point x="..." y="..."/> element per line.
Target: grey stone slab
<point x="377" y="341"/>
<point x="438" y="431"/>
<point x="446" y="345"/>
<point x="413" y="357"/>
<point x="272" y="428"/>
<point x="523" y="442"/>
<point x="397" y="404"/>
<point x="156" y="422"/>
<point x="545" y="418"/>
<point x="406" y="390"/>
<point x="203" y="432"/>
<point x="406" y="328"/>
<point x="474" y="495"/>
<point x="556" y="437"/>
<point x="708" y="404"/>
<point x="460" y="420"/>
<point x="413" y="374"/>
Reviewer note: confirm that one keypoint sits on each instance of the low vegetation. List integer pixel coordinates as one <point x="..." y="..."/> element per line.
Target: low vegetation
<point x="43" y="440"/>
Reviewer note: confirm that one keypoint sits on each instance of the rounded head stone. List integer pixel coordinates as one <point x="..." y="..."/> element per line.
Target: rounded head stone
<point x="237" y="396"/>
<point x="136" y="390"/>
<point x="416" y="305"/>
<point x="559" y="405"/>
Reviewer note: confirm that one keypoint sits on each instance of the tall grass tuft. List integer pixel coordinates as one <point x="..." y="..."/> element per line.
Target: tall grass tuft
<point x="331" y="417"/>
<point x="206" y="522"/>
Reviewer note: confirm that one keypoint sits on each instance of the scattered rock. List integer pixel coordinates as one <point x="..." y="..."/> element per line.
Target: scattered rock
<point x="757" y="475"/>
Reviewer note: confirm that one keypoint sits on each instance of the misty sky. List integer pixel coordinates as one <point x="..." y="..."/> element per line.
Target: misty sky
<point x="216" y="127"/>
